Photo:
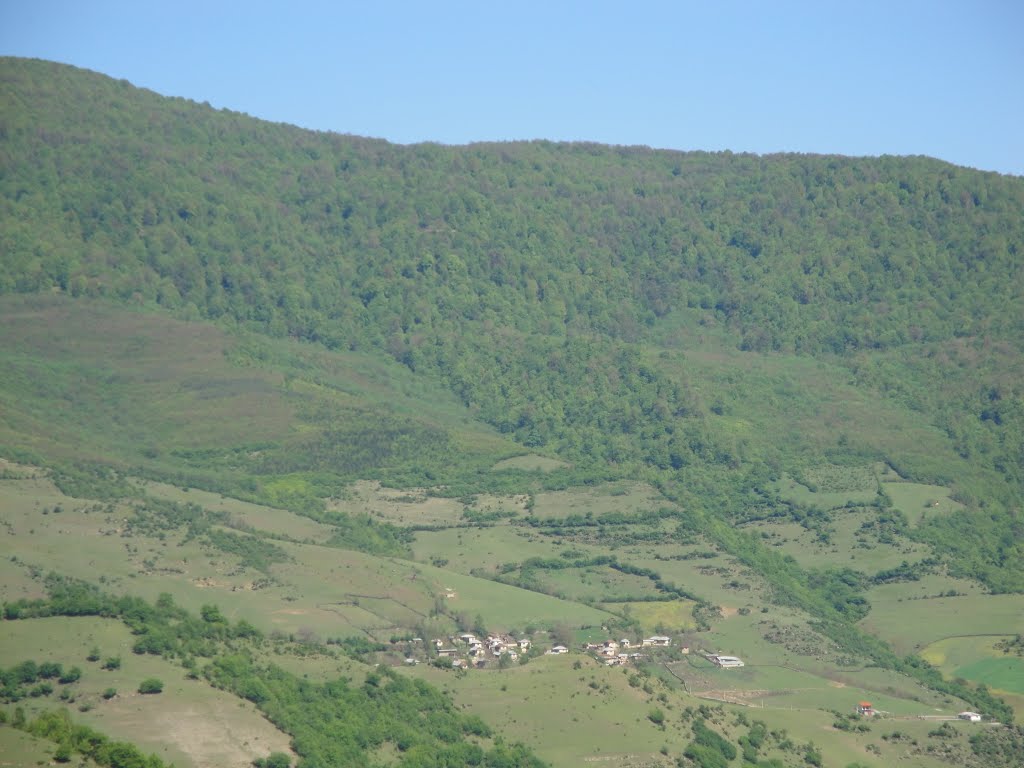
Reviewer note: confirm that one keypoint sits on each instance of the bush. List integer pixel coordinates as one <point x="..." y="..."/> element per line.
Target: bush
<point x="151" y="685"/>
<point x="275" y="760"/>
<point x="110" y="693"/>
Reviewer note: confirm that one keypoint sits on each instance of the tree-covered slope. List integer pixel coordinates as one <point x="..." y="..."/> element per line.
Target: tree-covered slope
<point x="554" y="288"/>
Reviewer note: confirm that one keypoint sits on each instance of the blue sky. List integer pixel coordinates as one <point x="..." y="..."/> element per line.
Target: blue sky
<point x="944" y="79"/>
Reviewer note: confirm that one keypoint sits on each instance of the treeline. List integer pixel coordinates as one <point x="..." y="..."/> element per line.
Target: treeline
<point x="332" y="723"/>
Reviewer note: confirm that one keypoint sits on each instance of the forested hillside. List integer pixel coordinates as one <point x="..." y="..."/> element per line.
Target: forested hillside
<point x="799" y="355"/>
<point x="534" y="280"/>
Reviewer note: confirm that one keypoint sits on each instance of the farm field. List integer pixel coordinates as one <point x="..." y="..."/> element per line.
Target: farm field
<point x="911" y="624"/>
<point x="189" y="723"/>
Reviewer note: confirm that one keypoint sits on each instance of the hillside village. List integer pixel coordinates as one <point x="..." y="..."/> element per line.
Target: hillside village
<point x="466" y="651"/>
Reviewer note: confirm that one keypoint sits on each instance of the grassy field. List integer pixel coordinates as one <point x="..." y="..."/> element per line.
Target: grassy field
<point x="19" y="749"/>
<point x="848" y="543"/>
<point x="921" y="502"/>
<point x="594" y="715"/>
<point x="530" y="462"/>
<point x="406" y="507"/>
<point x="911" y="624"/>
<point x="189" y="724"/>
<point x="976" y="658"/>
<point x="622" y="497"/>
<point x="550" y="705"/>
<point x="244" y="513"/>
<point x="676" y="614"/>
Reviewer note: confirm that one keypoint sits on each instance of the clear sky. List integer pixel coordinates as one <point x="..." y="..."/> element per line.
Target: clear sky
<point x="857" y="77"/>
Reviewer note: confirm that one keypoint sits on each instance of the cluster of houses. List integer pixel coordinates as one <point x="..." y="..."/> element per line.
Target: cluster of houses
<point x="622" y="652"/>
<point x="466" y="649"/>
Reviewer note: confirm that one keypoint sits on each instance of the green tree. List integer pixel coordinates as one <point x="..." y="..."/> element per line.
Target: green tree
<point x="151" y="685"/>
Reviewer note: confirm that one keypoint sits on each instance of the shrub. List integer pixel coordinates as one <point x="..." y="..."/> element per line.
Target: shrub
<point x="151" y="685"/>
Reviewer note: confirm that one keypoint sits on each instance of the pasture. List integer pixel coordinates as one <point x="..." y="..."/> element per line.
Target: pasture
<point x="910" y="617"/>
<point x="620" y="497"/>
<point x="571" y="717"/>
<point x="530" y="462"/>
<point x="411" y="507"/>
<point x="921" y="502"/>
<point x="677" y="615"/>
<point x="976" y="658"/>
<point x="849" y="543"/>
<point x="244" y="514"/>
<point x="189" y="723"/>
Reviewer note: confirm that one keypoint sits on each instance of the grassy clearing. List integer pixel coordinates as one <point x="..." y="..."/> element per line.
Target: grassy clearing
<point x="616" y="497"/>
<point x="595" y="583"/>
<point x="675" y="614"/>
<point x="848" y="543"/>
<point x="830" y="487"/>
<point x="483" y="549"/>
<point x="531" y="462"/>
<point x="406" y="507"/>
<point x="189" y="724"/>
<point x="720" y="580"/>
<point x="921" y="502"/>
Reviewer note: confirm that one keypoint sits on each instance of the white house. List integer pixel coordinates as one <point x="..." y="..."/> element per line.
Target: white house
<point x="725" y="662"/>
<point x="658" y="640"/>
<point x="558" y="649"/>
<point x="974" y="717"/>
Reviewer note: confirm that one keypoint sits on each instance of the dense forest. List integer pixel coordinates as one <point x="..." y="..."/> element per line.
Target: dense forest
<point x="556" y="290"/>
